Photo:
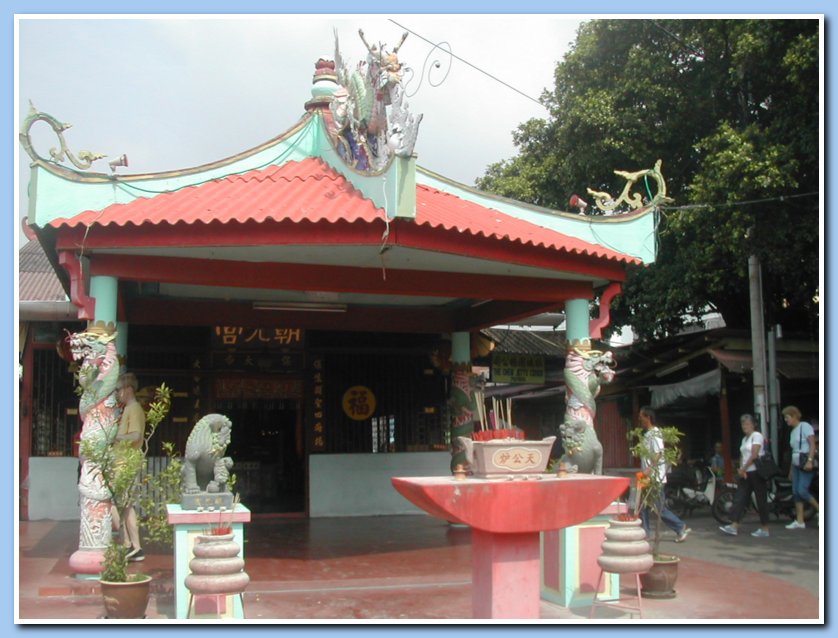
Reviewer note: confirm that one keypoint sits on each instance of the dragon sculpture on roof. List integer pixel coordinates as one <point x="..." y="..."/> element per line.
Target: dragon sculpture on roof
<point x="372" y="119"/>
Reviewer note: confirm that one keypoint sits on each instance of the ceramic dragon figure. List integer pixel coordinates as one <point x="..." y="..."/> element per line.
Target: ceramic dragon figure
<point x="584" y="372"/>
<point x="372" y="117"/>
<point x="95" y="351"/>
<point x="205" y="468"/>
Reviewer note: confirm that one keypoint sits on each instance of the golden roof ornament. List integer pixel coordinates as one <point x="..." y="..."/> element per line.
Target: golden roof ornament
<point x="57" y="155"/>
<point x="609" y="205"/>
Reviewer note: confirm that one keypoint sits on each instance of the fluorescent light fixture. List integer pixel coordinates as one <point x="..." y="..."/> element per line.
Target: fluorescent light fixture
<point x="300" y="306"/>
<point x="671" y="369"/>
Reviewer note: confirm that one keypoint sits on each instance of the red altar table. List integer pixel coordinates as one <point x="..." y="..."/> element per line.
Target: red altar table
<point x="506" y="517"/>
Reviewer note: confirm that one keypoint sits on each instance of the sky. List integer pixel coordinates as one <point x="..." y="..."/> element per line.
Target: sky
<point x="177" y="92"/>
<point x="173" y="93"/>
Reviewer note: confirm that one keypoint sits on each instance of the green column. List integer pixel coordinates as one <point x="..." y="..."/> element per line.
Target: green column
<point x="103" y="290"/>
<point x="461" y="396"/>
<point x="460" y="347"/>
<point x="577" y="320"/>
<point x="122" y="341"/>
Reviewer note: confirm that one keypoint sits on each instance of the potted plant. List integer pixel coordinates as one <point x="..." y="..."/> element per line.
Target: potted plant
<point x="659" y="581"/>
<point x="124" y="595"/>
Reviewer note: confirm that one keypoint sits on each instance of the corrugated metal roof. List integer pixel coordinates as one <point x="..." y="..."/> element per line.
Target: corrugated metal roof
<point x="36" y="278"/>
<point x="792" y="365"/>
<point x="508" y="340"/>
<point x="310" y="190"/>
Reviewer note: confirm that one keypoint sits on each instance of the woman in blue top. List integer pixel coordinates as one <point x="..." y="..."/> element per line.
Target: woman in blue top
<point x="802" y="440"/>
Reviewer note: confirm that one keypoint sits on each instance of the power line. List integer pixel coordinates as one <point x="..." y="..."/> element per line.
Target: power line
<point x="476" y="68"/>
<point x="780" y="198"/>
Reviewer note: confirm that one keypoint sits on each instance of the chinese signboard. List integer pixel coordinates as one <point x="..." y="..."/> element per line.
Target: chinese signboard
<point x="517" y="368"/>
<point x="277" y="362"/>
<point x="249" y="338"/>
<point x="358" y="403"/>
<point x="258" y="388"/>
<point x="316" y="406"/>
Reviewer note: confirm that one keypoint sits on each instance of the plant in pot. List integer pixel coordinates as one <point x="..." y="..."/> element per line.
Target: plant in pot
<point x="659" y="581"/>
<point x="124" y="595"/>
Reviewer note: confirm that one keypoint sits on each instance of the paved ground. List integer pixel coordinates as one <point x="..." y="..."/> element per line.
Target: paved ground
<point x="404" y="568"/>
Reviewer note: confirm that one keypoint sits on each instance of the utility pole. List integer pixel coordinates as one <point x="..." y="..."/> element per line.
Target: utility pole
<point x="758" y="341"/>
<point x="774" y="333"/>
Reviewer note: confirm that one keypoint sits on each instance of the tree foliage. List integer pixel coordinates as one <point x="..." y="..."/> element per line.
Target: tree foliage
<point x="732" y="108"/>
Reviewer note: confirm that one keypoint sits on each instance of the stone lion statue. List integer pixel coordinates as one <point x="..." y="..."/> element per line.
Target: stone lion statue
<point x="205" y="468"/>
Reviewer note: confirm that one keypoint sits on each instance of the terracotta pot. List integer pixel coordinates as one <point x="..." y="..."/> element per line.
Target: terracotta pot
<point x="625" y="549"/>
<point x="126" y="600"/>
<point x="659" y="581"/>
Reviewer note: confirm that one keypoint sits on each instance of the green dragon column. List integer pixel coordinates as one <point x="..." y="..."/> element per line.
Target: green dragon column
<point x="585" y="370"/>
<point x="462" y="397"/>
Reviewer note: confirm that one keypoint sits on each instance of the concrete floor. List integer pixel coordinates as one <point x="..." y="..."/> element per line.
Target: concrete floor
<point x="417" y="568"/>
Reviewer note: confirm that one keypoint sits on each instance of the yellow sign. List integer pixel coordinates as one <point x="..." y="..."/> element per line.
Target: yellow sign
<point x="517" y="368"/>
<point x="358" y="403"/>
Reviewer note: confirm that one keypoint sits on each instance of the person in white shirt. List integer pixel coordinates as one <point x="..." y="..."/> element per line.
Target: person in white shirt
<point x="653" y="441"/>
<point x="748" y="480"/>
<point x="802" y="470"/>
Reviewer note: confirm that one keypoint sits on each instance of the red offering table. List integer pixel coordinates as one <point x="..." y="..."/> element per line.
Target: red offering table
<point x="506" y="517"/>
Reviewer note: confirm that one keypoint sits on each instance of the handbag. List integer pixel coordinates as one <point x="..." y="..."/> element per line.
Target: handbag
<point x="766" y="466"/>
<point x="802" y="457"/>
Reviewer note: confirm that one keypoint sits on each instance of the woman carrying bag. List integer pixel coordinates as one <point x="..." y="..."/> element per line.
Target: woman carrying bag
<point x="748" y="480"/>
<point x="802" y="441"/>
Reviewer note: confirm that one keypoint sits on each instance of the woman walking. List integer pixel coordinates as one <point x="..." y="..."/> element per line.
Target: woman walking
<point x="802" y="441"/>
<point x="748" y="481"/>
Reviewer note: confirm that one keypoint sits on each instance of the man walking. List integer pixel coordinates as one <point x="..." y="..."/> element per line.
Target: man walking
<point x="132" y="429"/>
<point x="653" y="441"/>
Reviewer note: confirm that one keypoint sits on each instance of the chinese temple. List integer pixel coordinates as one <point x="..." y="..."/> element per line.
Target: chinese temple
<point x="322" y="290"/>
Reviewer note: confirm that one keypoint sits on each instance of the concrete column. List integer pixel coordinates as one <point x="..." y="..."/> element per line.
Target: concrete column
<point x="122" y="341"/>
<point x="103" y="290"/>
<point x="460" y="347"/>
<point x="461" y="396"/>
<point x="577" y="318"/>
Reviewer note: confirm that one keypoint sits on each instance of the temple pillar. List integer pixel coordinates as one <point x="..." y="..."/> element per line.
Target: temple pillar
<point x="585" y="370"/>
<point x="100" y="417"/>
<point x="461" y="396"/>
<point x="122" y="343"/>
<point x="577" y="318"/>
<point x="103" y="290"/>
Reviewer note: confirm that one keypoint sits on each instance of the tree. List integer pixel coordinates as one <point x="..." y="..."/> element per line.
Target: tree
<point x="732" y="108"/>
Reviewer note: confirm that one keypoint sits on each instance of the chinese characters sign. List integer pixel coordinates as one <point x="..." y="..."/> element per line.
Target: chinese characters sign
<point x="358" y="403"/>
<point x="316" y="402"/>
<point x="243" y="337"/>
<point x="516" y="459"/>
<point x="517" y="368"/>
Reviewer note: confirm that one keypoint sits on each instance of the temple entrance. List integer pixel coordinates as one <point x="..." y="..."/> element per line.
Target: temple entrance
<point x="267" y="448"/>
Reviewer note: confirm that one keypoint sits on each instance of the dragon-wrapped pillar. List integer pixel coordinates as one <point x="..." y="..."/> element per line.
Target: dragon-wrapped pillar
<point x="462" y="396"/>
<point x="585" y="370"/>
<point x="94" y="350"/>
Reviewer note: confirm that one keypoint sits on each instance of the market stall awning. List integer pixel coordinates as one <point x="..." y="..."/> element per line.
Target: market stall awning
<point x="698" y="386"/>
<point x="791" y="365"/>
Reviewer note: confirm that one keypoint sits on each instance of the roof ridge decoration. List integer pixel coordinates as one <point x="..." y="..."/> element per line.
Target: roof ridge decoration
<point x="82" y="162"/>
<point x="372" y="121"/>
<point x="609" y="205"/>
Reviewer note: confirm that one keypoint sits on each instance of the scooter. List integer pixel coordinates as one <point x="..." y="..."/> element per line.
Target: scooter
<point x="690" y="489"/>
<point x="778" y="495"/>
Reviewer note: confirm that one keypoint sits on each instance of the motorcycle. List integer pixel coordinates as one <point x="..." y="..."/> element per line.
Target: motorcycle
<point x="690" y="488"/>
<point x="778" y="495"/>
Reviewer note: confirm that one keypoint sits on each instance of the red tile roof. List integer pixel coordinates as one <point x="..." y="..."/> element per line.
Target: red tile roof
<point x="439" y="209"/>
<point x="310" y="190"/>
